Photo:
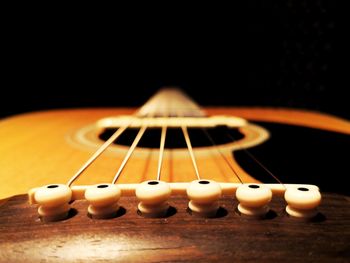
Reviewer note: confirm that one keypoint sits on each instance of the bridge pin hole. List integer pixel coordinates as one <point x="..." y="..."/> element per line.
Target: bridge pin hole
<point x="303" y="189"/>
<point x="52" y="186"/>
<point x="102" y="186"/>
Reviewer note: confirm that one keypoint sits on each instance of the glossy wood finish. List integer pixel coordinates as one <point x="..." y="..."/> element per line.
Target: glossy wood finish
<point x="37" y="149"/>
<point x="179" y="237"/>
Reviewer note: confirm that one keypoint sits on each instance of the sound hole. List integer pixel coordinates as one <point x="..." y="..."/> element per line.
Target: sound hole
<point x="102" y="186"/>
<point x="303" y="189"/>
<point x="153" y="182"/>
<point x="254" y="186"/>
<point x="52" y="186"/>
<point x="175" y="138"/>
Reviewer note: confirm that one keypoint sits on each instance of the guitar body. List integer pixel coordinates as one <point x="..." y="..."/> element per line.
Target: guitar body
<point x="49" y="147"/>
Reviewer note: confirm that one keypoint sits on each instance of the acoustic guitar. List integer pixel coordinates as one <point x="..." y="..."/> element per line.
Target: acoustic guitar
<point x="174" y="182"/>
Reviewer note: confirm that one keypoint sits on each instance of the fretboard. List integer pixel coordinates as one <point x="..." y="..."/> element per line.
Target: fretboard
<point x="170" y="102"/>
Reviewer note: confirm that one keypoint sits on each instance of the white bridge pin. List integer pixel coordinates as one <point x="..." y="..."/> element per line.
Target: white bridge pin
<point x="204" y="196"/>
<point x="53" y="202"/>
<point x="103" y="199"/>
<point x="153" y="197"/>
<point x="254" y="199"/>
<point x="302" y="202"/>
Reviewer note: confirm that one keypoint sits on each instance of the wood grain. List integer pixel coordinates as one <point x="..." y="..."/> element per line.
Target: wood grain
<point x="36" y="150"/>
<point x="179" y="237"/>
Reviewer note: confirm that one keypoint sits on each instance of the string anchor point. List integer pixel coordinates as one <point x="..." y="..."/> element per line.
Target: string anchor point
<point x="253" y="199"/>
<point x="53" y="202"/>
<point x="153" y="196"/>
<point x="103" y="199"/>
<point x="204" y="196"/>
<point x="302" y="202"/>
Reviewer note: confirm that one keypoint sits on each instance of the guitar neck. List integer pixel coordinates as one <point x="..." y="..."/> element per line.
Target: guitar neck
<point x="171" y="102"/>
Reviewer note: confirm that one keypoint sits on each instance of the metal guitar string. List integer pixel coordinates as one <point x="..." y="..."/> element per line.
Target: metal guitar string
<point x="138" y="137"/>
<point x="137" y="140"/>
<point x="99" y="151"/>
<point x="162" y="144"/>
<point x="222" y="155"/>
<point x="168" y="99"/>
<point x="189" y="145"/>
<point x="134" y="144"/>
<point x="161" y="151"/>
<point x="190" y="150"/>
<point x="130" y="151"/>
<point x="255" y="159"/>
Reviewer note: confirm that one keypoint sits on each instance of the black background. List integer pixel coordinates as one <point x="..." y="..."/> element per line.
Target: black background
<point x="283" y="53"/>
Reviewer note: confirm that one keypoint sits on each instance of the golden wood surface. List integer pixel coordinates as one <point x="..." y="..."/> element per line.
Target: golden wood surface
<point x="36" y="149"/>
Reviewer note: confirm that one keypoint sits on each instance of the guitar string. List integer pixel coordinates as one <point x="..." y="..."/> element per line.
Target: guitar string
<point x="189" y="147"/>
<point x="161" y="151"/>
<point x="130" y="152"/>
<point x="186" y="135"/>
<point x="222" y="155"/>
<point x="138" y="138"/>
<point x="136" y="141"/>
<point x="169" y="105"/>
<point x="162" y="143"/>
<point x="190" y="150"/>
<point x="99" y="151"/>
<point x="133" y="146"/>
<point x="254" y="159"/>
